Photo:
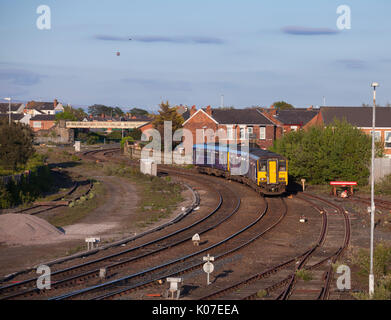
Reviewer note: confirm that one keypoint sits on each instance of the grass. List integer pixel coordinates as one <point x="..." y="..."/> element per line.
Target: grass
<point x="261" y="294"/>
<point x="304" y="274"/>
<point x="159" y="196"/>
<point x="74" y="213"/>
<point x="76" y="250"/>
<point x="382" y="272"/>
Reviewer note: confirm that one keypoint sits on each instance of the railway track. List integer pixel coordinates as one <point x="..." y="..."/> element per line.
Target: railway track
<point x="60" y="201"/>
<point x="281" y="276"/>
<point x="122" y="286"/>
<point x="62" y="278"/>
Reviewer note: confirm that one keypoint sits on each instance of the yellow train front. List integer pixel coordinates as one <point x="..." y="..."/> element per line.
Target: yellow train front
<point x="265" y="171"/>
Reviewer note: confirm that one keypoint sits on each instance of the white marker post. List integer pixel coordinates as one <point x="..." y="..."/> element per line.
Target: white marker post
<point x="196" y="239"/>
<point x="91" y="241"/>
<point x="77" y="146"/>
<point x="174" y="286"/>
<point x="208" y="267"/>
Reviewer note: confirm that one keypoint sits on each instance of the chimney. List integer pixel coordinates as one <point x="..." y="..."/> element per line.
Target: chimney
<point x="310" y="108"/>
<point x="209" y="110"/>
<point x="55" y="102"/>
<point x="193" y="110"/>
<point x="90" y="116"/>
<point x="272" y="111"/>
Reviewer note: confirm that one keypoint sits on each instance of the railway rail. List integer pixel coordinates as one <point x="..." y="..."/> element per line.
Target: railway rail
<point x="95" y="272"/>
<point x="302" y="260"/>
<point x="60" y="201"/>
<point x="287" y="281"/>
<point x="112" y="287"/>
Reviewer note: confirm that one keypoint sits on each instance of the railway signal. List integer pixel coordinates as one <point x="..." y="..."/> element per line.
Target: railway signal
<point x="208" y="267"/>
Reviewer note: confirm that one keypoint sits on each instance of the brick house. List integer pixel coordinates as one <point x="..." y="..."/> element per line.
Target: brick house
<point x="238" y="126"/>
<point x="292" y="119"/>
<point x="42" y="122"/>
<point x="360" y="117"/>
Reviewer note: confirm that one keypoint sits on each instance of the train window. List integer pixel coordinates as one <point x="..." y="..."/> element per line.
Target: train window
<point x="281" y="165"/>
<point x="263" y="165"/>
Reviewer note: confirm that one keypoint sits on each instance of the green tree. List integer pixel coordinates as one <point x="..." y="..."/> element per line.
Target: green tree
<point x="167" y="113"/>
<point x="71" y="114"/>
<point x="138" y="112"/>
<point x="98" y="109"/>
<point x="322" y="154"/>
<point x="16" y="144"/>
<point x="282" y="105"/>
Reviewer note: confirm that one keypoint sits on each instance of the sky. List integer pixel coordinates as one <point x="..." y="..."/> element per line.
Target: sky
<point x="193" y="52"/>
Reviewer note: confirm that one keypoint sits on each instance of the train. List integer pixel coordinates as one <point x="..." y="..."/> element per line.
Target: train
<point x="264" y="171"/>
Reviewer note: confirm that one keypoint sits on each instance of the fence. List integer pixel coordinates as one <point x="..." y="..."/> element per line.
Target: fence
<point x="177" y="157"/>
<point x="382" y="168"/>
<point x="16" y="177"/>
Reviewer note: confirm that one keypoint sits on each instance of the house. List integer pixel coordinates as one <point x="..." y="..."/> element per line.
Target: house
<point x="35" y="108"/>
<point x="360" y="117"/>
<point x="236" y="125"/>
<point x="16" y="108"/>
<point x="291" y="119"/>
<point x="42" y="121"/>
<point x="15" y="117"/>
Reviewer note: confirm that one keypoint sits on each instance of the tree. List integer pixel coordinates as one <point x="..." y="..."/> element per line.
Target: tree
<point x="98" y="109"/>
<point x="322" y="154"/>
<point x="167" y="113"/>
<point x="282" y="105"/>
<point x="66" y="115"/>
<point x="16" y="144"/>
<point x="138" y="112"/>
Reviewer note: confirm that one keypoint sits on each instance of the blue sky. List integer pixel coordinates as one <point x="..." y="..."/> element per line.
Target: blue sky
<point x="191" y="52"/>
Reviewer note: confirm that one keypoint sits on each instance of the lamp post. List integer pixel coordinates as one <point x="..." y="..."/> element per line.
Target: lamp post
<point x="371" y="275"/>
<point x="9" y="110"/>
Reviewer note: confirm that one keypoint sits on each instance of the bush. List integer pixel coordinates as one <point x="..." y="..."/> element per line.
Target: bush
<point x="384" y="186"/>
<point x="304" y="274"/>
<point x="124" y="139"/>
<point x="322" y="154"/>
<point x="381" y="269"/>
<point x="16" y="144"/>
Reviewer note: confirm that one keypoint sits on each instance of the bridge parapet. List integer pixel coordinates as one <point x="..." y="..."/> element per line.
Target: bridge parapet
<point x="105" y="124"/>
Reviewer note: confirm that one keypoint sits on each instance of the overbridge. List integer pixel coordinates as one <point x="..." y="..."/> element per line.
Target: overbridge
<point x="105" y="124"/>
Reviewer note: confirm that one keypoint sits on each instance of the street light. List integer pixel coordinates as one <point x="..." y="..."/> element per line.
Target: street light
<point x="371" y="276"/>
<point x="9" y="110"/>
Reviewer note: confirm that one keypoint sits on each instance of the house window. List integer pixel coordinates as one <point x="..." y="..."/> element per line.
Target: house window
<point x="242" y="133"/>
<point x="377" y="136"/>
<point x="37" y="124"/>
<point x="249" y="132"/>
<point x="262" y="133"/>
<point x="387" y="139"/>
<point x="294" y="128"/>
<point x="230" y="133"/>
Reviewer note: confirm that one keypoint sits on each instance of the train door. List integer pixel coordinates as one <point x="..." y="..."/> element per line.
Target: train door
<point x="272" y="172"/>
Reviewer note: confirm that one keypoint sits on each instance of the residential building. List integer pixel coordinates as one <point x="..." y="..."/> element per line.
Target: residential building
<point x="16" y="108"/>
<point x="42" y="122"/>
<point x="35" y="108"/>
<point x="360" y="117"/>
<point x="236" y="126"/>
<point x="291" y="119"/>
